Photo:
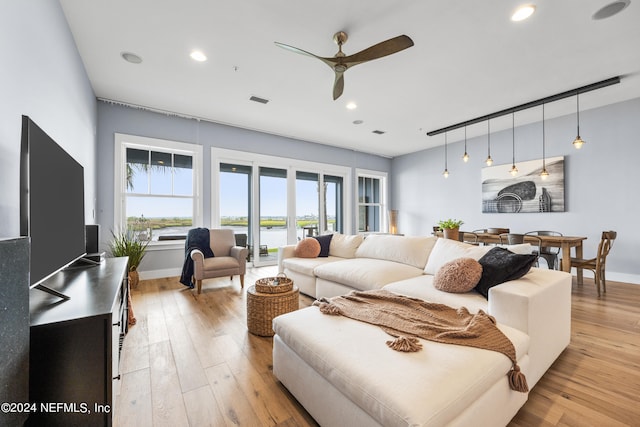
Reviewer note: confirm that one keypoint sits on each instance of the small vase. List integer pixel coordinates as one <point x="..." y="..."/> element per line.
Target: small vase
<point x="134" y="277"/>
<point x="451" y="233"/>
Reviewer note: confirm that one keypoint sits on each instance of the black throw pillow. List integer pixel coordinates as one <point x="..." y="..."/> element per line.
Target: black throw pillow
<point x="500" y="265"/>
<point x="324" y="241"/>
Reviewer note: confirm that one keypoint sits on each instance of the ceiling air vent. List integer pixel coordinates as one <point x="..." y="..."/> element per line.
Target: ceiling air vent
<point x="258" y="99"/>
<point x="378" y="132"/>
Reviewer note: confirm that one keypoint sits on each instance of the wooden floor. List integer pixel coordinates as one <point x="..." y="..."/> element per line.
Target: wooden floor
<point x="191" y="362"/>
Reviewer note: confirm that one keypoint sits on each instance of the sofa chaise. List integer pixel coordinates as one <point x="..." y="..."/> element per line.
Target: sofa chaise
<point x="342" y="372"/>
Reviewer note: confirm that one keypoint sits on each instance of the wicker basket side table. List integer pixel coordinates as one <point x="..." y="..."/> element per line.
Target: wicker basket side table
<point x="262" y="308"/>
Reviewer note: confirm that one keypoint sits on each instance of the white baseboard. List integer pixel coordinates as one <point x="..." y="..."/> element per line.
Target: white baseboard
<point x="616" y="277"/>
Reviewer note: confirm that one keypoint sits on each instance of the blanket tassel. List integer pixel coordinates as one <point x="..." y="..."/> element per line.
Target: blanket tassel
<point x="327" y="308"/>
<point x="406" y="344"/>
<point x="517" y="380"/>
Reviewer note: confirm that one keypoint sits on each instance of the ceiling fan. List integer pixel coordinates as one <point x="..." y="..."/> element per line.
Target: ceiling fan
<point x="340" y="62"/>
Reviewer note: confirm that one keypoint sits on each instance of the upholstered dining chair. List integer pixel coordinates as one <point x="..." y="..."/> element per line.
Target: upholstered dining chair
<point x="597" y="264"/>
<point x="228" y="259"/>
<point x="548" y="253"/>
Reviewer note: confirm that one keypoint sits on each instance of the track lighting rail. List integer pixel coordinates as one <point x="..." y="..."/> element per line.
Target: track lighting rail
<point x="548" y="99"/>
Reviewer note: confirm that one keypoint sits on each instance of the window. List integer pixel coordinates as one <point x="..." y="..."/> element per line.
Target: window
<point x="371" y="201"/>
<point x="157" y="187"/>
<point x="275" y="201"/>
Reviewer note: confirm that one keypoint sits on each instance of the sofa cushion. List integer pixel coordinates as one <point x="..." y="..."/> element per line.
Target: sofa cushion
<point x="500" y="265"/>
<point x="325" y="242"/>
<point x="344" y="245"/>
<point x="306" y="265"/>
<point x="365" y="273"/>
<point x="307" y="248"/>
<point x="428" y="387"/>
<point x="446" y="250"/>
<point x="404" y="249"/>
<point x="422" y="287"/>
<point x="458" y="276"/>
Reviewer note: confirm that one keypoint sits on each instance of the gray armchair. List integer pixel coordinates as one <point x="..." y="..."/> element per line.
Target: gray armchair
<point x="228" y="259"/>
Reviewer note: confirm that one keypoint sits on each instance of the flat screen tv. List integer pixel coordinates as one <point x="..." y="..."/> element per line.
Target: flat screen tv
<point x="51" y="204"/>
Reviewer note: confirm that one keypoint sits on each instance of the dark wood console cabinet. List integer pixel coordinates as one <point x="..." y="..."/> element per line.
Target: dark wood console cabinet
<point x="75" y="345"/>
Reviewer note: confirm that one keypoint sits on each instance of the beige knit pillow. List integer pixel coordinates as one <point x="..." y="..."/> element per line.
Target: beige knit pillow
<point x="458" y="276"/>
<point x="307" y="248"/>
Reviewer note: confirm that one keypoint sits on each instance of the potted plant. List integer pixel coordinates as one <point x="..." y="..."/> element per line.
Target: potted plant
<point x="127" y="243"/>
<point x="450" y="228"/>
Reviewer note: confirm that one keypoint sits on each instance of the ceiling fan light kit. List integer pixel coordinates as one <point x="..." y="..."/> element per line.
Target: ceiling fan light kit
<point x="340" y="62"/>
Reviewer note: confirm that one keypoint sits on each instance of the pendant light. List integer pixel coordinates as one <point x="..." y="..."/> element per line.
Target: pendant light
<point x="544" y="174"/>
<point x="465" y="156"/>
<point x="489" y="160"/>
<point x="578" y="142"/>
<point x="514" y="169"/>
<point x="446" y="171"/>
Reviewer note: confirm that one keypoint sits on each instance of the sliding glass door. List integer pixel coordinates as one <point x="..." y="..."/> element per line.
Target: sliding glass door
<point x="273" y="214"/>
<point x="271" y="202"/>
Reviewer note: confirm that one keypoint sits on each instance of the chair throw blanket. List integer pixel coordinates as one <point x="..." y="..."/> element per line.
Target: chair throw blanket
<point x="408" y="319"/>
<point x="197" y="238"/>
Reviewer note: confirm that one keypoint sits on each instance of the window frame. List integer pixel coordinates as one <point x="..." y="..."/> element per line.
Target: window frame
<point x="384" y="217"/>
<point x="124" y="141"/>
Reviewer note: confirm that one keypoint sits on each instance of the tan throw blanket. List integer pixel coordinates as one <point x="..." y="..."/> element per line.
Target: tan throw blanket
<point x="409" y="318"/>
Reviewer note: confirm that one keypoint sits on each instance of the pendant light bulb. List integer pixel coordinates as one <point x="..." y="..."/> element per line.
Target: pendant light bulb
<point x="544" y="174"/>
<point x="514" y="170"/>
<point x="465" y="156"/>
<point x="446" y="171"/>
<point x="489" y="160"/>
<point x="578" y="142"/>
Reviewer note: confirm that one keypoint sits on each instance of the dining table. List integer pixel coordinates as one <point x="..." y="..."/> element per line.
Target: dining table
<point x="565" y="243"/>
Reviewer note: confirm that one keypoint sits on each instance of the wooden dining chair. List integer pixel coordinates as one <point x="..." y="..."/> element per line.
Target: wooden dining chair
<point x="597" y="264"/>
<point x="549" y="254"/>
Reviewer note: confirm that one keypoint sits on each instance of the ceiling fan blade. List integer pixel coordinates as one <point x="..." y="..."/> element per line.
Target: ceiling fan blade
<point x="304" y="52"/>
<point x="379" y="50"/>
<point x="338" y="85"/>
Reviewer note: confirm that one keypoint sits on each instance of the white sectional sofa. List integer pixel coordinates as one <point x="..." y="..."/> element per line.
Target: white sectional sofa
<point x="342" y="372"/>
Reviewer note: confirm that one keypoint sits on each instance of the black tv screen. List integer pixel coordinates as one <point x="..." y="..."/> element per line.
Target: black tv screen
<point x="51" y="203"/>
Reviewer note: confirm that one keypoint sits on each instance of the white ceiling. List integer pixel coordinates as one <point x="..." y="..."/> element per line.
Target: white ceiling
<point x="469" y="60"/>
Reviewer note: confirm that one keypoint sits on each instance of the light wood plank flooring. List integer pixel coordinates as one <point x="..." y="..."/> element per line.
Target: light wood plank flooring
<point x="191" y="362"/>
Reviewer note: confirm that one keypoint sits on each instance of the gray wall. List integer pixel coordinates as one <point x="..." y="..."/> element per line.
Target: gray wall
<point x="113" y="118"/>
<point x="601" y="182"/>
<point x="42" y="76"/>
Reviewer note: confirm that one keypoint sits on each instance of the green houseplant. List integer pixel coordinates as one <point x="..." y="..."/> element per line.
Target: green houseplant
<point x="126" y="243"/>
<point x="450" y="228"/>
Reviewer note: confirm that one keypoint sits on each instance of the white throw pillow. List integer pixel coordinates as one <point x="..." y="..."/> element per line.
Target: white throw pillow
<point x="446" y="250"/>
<point x="345" y="246"/>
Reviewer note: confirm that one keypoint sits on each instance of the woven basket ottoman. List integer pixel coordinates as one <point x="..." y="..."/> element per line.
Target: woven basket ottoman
<point x="262" y="308"/>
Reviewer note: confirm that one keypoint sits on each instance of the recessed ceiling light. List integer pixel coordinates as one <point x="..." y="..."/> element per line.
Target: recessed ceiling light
<point x="611" y="9"/>
<point x="351" y="106"/>
<point x="523" y="12"/>
<point x="378" y="132"/>
<point x="358" y="122"/>
<point x="197" y="55"/>
<point x="131" y="57"/>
